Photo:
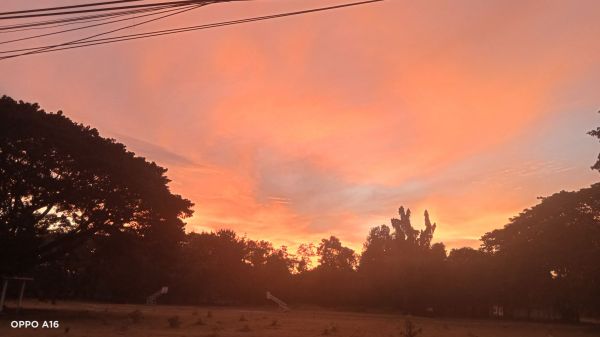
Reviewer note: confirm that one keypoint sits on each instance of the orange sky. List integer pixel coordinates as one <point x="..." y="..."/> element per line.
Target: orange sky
<point x="294" y="129"/>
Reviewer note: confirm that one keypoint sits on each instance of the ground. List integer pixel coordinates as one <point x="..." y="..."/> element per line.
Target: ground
<point x="108" y="320"/>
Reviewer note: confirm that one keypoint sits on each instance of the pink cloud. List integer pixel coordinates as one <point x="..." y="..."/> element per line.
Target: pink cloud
<point x="295" y="129"/>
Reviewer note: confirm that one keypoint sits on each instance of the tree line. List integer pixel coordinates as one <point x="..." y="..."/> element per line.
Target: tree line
<point x="89" y="219"/>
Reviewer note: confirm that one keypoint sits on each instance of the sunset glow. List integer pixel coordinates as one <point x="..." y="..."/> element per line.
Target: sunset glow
<point x="324" y="124"/>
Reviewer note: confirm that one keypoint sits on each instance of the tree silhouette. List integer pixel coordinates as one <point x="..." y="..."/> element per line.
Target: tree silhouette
<point x="304" y="254"/>
<point x="376" y="247"/>
<point x="61" y="183"/>
<point x="550" y="252"/>
<point x="98" y="222"/>
<point x="334" y="256"/>
<point x="412" y="265"/>
<point x="596" y="133"/>
<point x="405" y="234"/>
<point x="211" y="266"/>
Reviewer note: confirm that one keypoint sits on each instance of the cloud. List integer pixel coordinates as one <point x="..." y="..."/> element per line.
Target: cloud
<point x="295" y="129"/>
<point x="153" y="151"/>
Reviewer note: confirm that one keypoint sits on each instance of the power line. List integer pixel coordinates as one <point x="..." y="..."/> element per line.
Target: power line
<point x="107" y="9"/>
<point x="67" y="7"/>
<point x="90" y="26"/>
<point x="114" y="30"/>
<point x="128" y="37"/>
<point x="74" y="20"/>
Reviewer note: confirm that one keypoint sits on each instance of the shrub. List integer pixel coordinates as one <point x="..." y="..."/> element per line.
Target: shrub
<point x="410" y="330"/>
<point x="174" y="322"/>
<point x="135" y="316"/>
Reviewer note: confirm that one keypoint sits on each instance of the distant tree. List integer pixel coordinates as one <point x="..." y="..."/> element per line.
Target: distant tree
<point x="549" y="253"/>
<point x="596" y="133"/>
<point x="333" y="281"/>
<point x="334" y="256"/>
<point x="221" y="267"/>
<point x="470" y="283"/>
<point x="61" y="183"/>
<point x="405" y="234"/>
<point x="304" y="255"/>
<point x="412" y="266"/>
<point x="257" y="252"/>
<point x="280" y="262"/>
<point x="377" y="246"/>
<point x="271" y="268"/>
<point x="212" y="267"/>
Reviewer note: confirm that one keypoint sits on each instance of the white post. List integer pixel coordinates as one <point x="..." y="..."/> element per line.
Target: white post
<point x="282" y="305"/>
<point x="152" y="298"/>
<point x="3" y="296"/>
<point x="21" y="294"/>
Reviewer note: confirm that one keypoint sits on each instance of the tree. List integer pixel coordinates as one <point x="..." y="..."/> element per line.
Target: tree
<point x="377" y="246"/>
<point x="405" y="234"/>
<point x="596" y="133"/>
<point x="257" y="252"/>
<point x="470" y="285"/>
<point x="61" y="183"/>
<point x="412" y="265"/>
<point x="550" y="252"/>
<point x="334" y="256"/>
<point x="212" y="267"/>
<point x="304" y="255"/>
<point x="332" y="281"/>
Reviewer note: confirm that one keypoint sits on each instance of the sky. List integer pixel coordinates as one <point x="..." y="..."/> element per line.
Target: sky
<point x="295" y="129"/>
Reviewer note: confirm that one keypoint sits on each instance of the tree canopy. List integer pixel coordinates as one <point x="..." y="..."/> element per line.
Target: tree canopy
<point x="61" y="183"/>
<point x="550" y="252"/>
<point x="333" y="255"/>
<point x="596" y="133"/>
<point x="96" y="221"/>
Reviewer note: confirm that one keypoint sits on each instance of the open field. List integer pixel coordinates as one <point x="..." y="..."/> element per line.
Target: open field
<point x="107" y="320"/>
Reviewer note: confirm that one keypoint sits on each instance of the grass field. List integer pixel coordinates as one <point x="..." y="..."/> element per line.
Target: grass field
<point x="107" y="320"/>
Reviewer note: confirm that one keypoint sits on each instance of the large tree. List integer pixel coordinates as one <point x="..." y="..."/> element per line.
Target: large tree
<point x="61" y="183"/>
<point x="549" y="253"/>
<point x="596" y="133"/>
<point x="412" y="264"/>
<point x="333" y="255"/>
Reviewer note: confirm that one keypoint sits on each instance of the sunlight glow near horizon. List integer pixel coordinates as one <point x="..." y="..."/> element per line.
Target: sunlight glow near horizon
<point x="297" y="129"/>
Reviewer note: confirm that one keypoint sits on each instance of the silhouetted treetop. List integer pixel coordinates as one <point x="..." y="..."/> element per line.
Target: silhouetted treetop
<point x="555" y="246"/>
<point x="596" y="133"/>
<point x="398" y="258"/>
<point x="405" y="232"/>
<point x="562" y="219"/>
<point x="334" y="256"/>
<point x="61" y="182"/>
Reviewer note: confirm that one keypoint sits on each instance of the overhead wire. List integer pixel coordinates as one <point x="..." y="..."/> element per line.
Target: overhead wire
<point x="81" y="40"/>
<point x="68" y="7"/>
<point x="128" y="37"/>
<point x="181" y="2"/>
<point x="75" y="20"/>
<point x="80" y="21"/>
<point x="177" y="8"/>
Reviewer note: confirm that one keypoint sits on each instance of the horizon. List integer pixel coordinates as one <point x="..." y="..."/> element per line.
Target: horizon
<point x="268" y="148"/>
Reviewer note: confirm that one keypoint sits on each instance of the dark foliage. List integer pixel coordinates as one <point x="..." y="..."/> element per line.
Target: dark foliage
<point x="62" y="184"/>
<point x="91" y="220"/>
<point x="549" y="253"/>
<point x="596" y="133"/>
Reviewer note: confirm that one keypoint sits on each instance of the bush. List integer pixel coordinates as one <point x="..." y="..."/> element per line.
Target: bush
<point x="135" y="316"/>
<point x="174" y="322"/>
<point x="410" y="329"/>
